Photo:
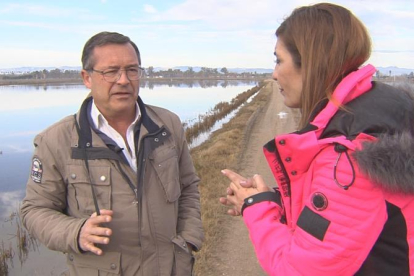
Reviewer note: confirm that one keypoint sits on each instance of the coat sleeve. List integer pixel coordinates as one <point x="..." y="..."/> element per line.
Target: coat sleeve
<point x="331" y="241"/>
<point x="43" y="208"/>
<point x="189" y="216"/>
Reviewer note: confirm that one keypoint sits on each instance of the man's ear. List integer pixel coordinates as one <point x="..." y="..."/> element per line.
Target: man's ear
<point x="87" y="80"/>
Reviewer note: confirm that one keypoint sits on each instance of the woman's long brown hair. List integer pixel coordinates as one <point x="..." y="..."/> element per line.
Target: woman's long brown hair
<point x="327" y="42"/>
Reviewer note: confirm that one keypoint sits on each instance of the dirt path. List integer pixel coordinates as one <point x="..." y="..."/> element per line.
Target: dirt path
<point x="236" y="253"/>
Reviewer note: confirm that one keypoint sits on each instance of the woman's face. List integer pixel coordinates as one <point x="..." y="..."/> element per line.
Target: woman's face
<point x="288" y="76"/>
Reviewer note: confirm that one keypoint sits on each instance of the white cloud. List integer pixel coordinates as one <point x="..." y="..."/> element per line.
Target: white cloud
<point x="38" y="10"/>
<point x="19" y="149"/>
<point x="22" y="134"/>
<point x="149" y="9"/>
<point x="227" y="14"/>
<point x="10" y="202"/>
<point x="15" y="57"/>
<point x="192" y="30"/>
<point x="42" y="11"/>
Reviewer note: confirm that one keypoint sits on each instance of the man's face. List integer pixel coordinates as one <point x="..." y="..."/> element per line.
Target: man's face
<point x="116" y="99"/>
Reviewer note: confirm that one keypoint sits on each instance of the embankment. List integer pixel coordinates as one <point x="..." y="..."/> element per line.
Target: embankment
<point x="237" y="145"/>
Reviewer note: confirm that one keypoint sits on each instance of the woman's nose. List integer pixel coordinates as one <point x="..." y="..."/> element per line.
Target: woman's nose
<point x="274" y="75"/>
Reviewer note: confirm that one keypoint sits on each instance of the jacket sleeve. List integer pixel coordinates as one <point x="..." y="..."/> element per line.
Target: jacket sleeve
<point x="321" y="241"/>
<point x="43" y="207"/>
<point x="189" y="215"/>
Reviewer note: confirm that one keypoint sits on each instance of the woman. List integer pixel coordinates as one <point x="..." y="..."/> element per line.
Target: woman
<point x="345" y="198"/>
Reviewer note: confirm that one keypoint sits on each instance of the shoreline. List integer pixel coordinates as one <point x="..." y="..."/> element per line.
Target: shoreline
<point x="155" y="80"/>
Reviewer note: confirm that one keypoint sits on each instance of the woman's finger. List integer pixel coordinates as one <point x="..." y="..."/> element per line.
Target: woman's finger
<point x="234" y="177"/>
<point x="259" y="183"/>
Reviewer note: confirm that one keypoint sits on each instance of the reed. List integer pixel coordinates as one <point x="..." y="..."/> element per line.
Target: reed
<point x="222" y="109"/>
<point x="25" y="242"/>
<point x="6" y="255"/>
<point x="21" y="242"/>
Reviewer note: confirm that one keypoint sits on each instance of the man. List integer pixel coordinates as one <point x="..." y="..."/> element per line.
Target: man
<point x="114" y="186"/>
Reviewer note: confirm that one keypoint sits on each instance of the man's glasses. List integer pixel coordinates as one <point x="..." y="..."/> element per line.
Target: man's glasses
<point x="113" y="75"/>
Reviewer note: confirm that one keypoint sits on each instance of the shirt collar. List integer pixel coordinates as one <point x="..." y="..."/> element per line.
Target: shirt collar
<point x="99" y="120"/>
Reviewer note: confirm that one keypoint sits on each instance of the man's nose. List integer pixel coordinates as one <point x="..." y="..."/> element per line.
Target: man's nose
<point x="123" y="78"/>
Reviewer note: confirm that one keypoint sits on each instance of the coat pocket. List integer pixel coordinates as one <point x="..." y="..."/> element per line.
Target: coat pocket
<point x="165" y="163"/>
<point x="108" y="264"/>
<point x="183" y="258"/>
<point x="80" y="191"/>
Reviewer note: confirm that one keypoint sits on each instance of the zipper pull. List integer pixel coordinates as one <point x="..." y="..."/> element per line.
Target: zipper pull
<point x="135" y="202"/>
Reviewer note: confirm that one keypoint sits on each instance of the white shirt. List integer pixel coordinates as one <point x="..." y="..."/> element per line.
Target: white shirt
<point x="102" y="124"/>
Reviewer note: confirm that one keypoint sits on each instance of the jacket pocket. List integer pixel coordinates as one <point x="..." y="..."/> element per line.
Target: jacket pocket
<point x="108" y="264"/>
<point x="165" y="162"/>
<point x="80" y="191"/>
<point x="183" y="258"/>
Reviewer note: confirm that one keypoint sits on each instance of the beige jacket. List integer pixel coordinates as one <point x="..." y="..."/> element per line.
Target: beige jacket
<point x="156" y="210"/>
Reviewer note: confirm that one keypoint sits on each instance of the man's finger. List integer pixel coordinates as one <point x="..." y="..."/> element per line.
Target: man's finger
<point x="106" y="212"/>
<point x="97" y="239"/>
<point x="90" y="247"/>
<point x="95" y="220"/>
<point x="100" y="231"/>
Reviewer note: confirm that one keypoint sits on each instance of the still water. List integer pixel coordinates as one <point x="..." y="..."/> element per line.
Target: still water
<point x="26" y="110"/>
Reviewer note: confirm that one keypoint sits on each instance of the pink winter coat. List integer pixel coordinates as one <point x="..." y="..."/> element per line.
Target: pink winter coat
<point x="345" y="204"/>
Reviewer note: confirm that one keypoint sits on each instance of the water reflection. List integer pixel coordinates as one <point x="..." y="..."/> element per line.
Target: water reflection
<point x="26" y="110"/>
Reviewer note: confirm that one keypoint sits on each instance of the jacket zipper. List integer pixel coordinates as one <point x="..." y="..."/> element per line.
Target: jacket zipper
<point x="140" y="185"/>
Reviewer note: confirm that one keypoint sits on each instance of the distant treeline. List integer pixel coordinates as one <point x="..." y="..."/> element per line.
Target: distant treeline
<point x="203" y="73"/>
<point x="42" y="75"/>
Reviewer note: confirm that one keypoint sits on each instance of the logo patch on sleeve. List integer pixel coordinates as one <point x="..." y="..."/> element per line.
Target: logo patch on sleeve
<point x="37" y="170"/>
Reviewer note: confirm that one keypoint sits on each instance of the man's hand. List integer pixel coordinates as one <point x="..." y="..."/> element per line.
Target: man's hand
<point x="92" y="233"/>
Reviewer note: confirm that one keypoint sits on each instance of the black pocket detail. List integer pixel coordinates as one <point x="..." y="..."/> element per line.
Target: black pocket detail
<point x="313" y="223"/>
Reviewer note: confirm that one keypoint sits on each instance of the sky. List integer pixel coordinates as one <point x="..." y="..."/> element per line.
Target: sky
<point x="210" y="33"/>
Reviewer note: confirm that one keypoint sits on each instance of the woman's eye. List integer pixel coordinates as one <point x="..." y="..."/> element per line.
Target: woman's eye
<point x="277" y="61"/>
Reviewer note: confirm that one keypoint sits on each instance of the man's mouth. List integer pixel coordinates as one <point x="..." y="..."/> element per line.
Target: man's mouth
<point x="121" y="93"/>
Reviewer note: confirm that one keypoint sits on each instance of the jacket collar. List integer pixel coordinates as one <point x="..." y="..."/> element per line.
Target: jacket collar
<point x="85" y="135"/>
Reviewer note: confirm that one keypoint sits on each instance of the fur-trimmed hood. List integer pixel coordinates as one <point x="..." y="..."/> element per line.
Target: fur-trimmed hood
<point x="390" y="162"/>
<point x="387" y="113"/>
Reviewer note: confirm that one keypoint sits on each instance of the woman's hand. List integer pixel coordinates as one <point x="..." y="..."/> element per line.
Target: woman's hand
<point x="241" y="188"/>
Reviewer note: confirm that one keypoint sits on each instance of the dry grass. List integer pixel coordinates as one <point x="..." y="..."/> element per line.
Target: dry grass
<point x="6" y="255"/>
<point x="222" y="150"/>
<point x="23" y="244"/>
<point x="221" y="110"/>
